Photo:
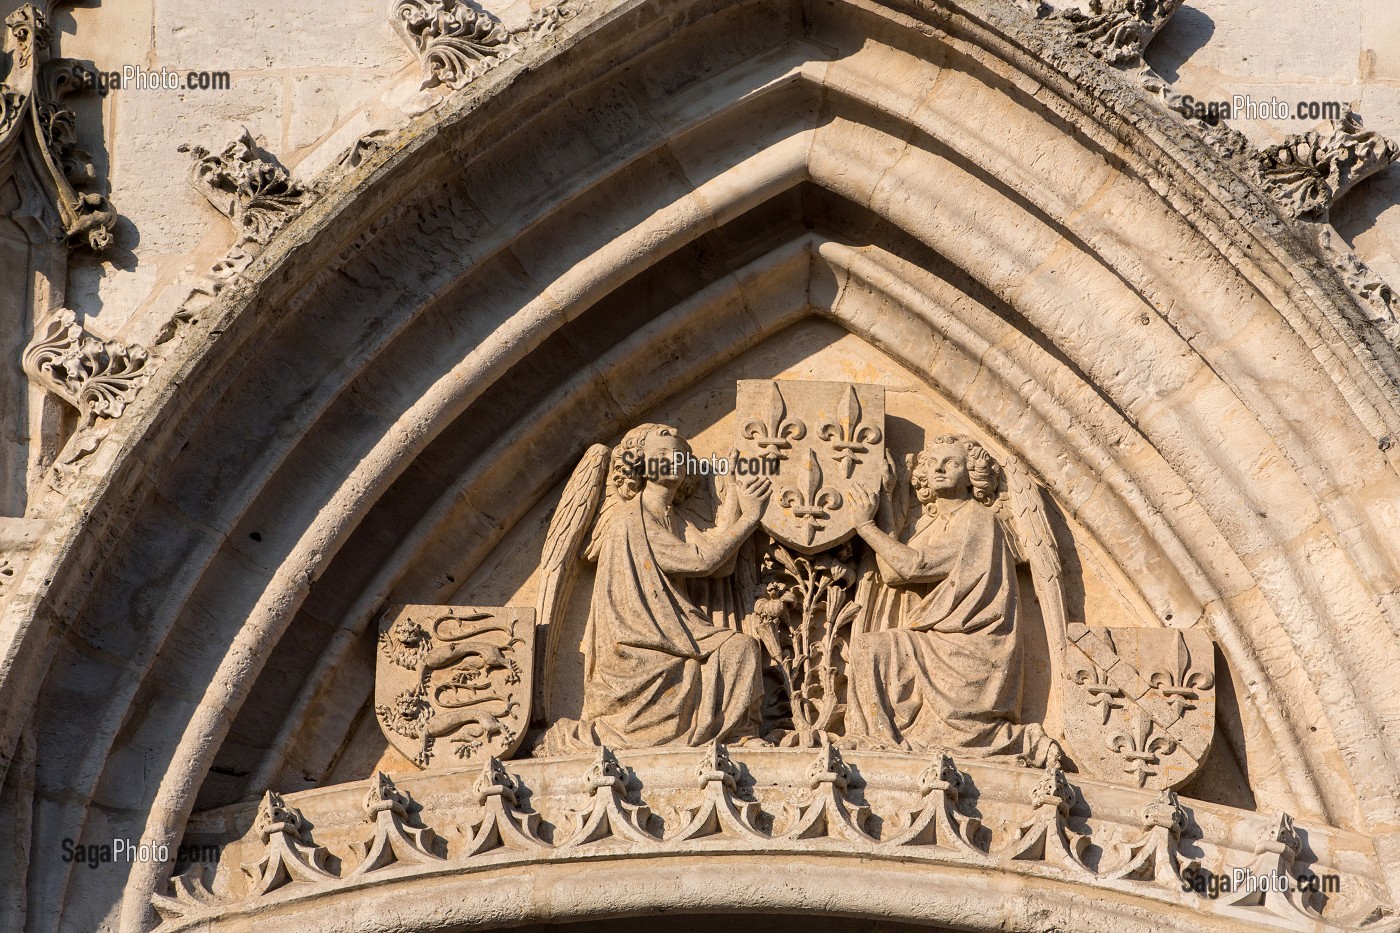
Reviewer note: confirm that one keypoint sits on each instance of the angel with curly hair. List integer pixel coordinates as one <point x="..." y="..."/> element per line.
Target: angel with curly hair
<point x="656" y="671"/>
<point x="947" y="674"/>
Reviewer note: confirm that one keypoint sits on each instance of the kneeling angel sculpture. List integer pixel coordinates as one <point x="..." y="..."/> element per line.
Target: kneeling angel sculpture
<point x="942" y="669"/>
<point x="656" y="671"/>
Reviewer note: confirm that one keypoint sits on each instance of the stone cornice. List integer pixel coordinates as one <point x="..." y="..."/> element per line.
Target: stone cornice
<point x="773" y="806"/>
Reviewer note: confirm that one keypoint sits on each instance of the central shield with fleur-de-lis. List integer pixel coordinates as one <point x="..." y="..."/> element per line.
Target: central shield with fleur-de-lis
<point x="824" y="438"/>
<point x="1139" y="703"/>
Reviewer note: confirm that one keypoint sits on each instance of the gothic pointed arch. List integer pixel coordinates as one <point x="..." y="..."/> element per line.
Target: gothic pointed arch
<point x="377" y="418"/>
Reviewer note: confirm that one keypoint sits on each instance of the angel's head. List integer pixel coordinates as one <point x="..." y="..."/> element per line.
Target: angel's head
<point x="648" y="454"/>
<point x="954" y="467"/>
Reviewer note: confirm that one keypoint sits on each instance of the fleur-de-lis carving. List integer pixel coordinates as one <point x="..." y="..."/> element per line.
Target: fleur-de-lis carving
<point x="1180" y="685"/>
<point x="810" y="502"/>
<point x="1141" y="749"/>
<point x="1102" y="693"/>
<point x="775" y="433"/>
<point x="847" y="436"/>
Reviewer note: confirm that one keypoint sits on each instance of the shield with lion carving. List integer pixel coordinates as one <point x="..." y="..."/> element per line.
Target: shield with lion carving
<point x="452" y="683"/>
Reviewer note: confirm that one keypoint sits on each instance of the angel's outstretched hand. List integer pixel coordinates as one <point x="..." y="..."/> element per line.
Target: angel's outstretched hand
<point x="752" y="495"/>
<point x="863" y="504"/>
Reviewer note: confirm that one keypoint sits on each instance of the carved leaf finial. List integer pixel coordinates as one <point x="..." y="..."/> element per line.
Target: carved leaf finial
<point x="830" y="811"/>
<point x="288" y="857"/>
<point x="936" y="821"/>
<point x="395" y="841"/>
<point x="1307" y="173"/>
<point x="455" y="41"/>
<point x="1046" y="835"/>
<point x="503" y="824"/>
<point x="248" y="186"/>
<point x="609" y="814"/>
<point x="99" y="378"/>
<point x="721" y="812"/>
<point x="1155" y="855"/>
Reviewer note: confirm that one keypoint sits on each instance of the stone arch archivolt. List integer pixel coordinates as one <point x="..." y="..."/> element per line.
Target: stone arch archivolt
<point x="413" y="368"/>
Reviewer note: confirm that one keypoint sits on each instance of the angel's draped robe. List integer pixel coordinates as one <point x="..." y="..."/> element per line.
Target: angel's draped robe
<point x="948" y="674"/>
<point x="656" y="672"/>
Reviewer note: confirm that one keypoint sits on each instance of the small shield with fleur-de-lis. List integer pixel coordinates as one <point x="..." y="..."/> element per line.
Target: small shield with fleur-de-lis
<point x="825" y="438"/>
<point x="1139" y="703"/>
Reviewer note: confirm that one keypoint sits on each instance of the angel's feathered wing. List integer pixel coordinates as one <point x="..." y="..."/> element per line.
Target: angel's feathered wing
<point x="568" y="529"/>
<point x="1025" y="511"/>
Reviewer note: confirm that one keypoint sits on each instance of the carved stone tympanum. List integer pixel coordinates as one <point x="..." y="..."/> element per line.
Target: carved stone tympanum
<point x="868" y="607"/>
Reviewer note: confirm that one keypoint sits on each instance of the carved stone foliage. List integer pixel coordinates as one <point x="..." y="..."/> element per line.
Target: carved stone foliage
<point x="803" y="621"/>
<point x="773" y="801"/>
<point x="1308" y="172"/>
<point x="608" y="815"/>
<point x="1378" y="301"/>
<point x="97" y="377"/>
<point x="258" y="196"/>
<point x="31" y="107"/>
<point x="457" y="41"/>
<point x="1118" y="31"/>
<point x="830" y="812"/>
<point x="248" y="186"/>
<point x="1142" y="703"/>
<point x="454" y="40"/>
<point x="454" y="682"/>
